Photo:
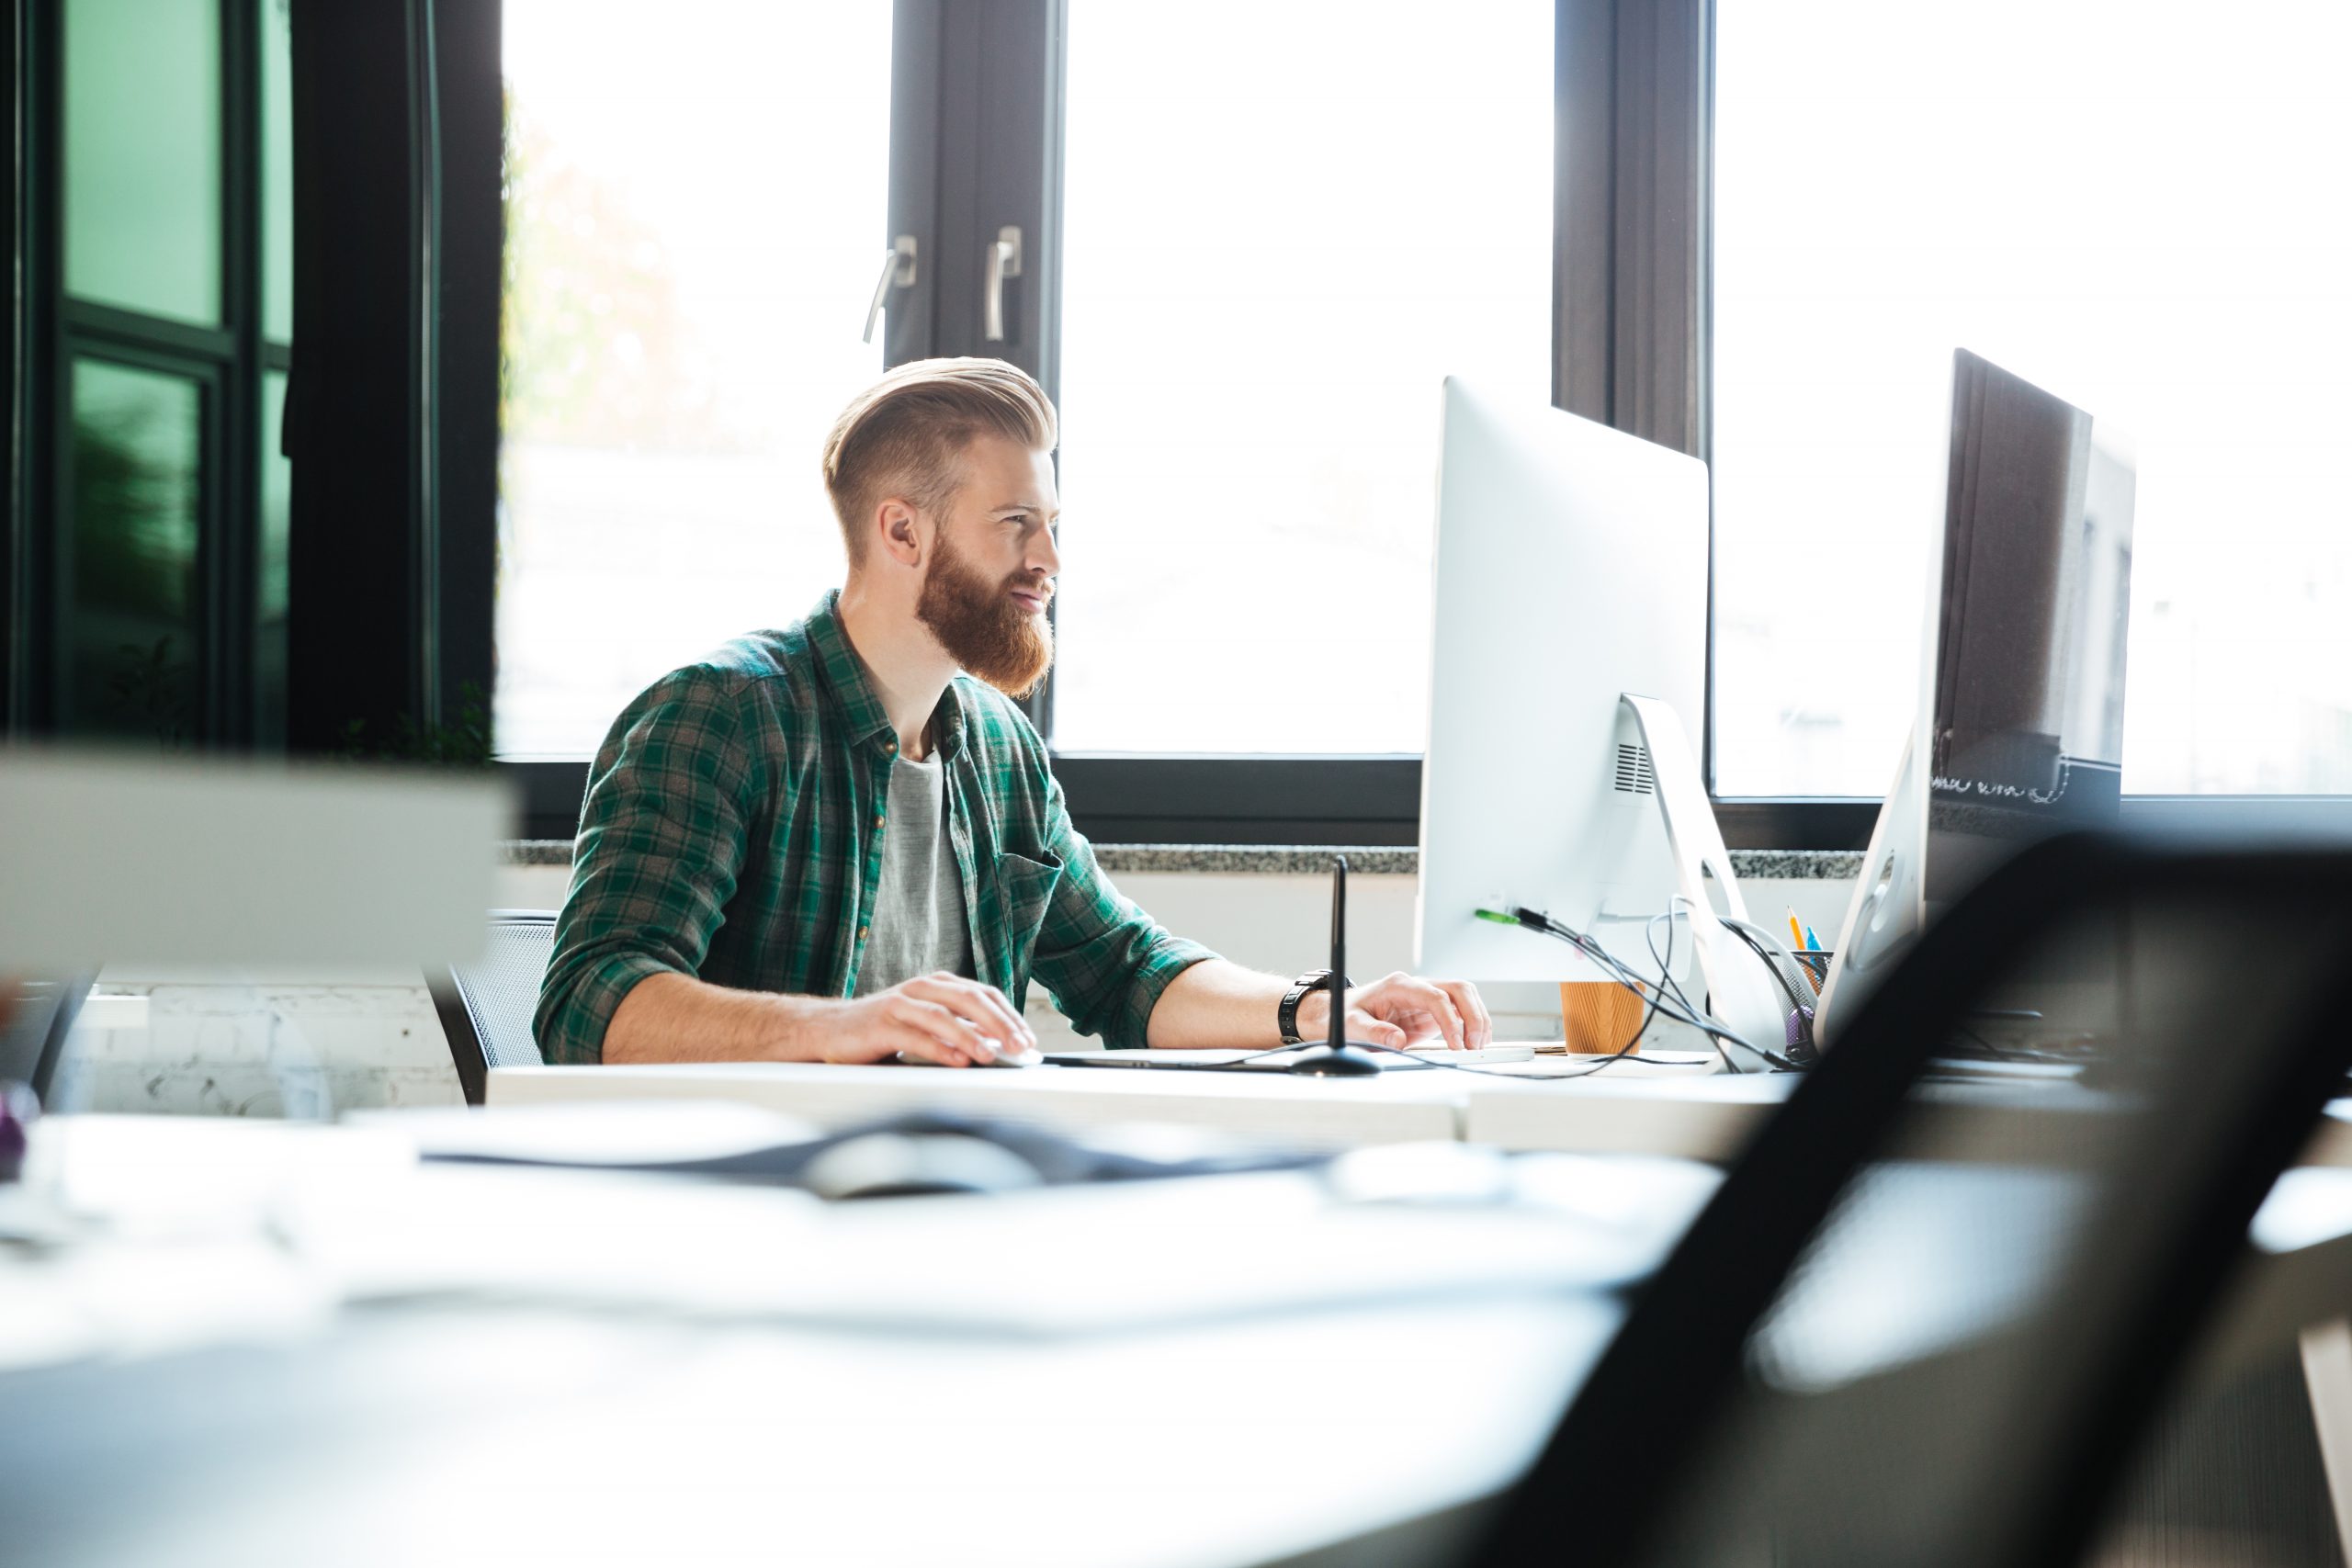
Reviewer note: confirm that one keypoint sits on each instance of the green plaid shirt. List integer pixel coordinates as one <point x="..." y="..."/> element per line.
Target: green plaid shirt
<point x="732" y="830"/>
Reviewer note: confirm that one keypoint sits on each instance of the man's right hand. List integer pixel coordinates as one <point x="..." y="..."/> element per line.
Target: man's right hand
<point x="938" y="1018"/>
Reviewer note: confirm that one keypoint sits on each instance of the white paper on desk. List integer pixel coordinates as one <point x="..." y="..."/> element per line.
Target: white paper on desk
<point x="534" y="1233"/>
<point x="596" y="1132"/>
<point x="1120" y="1257"/>
<point x="178" y="1178"/>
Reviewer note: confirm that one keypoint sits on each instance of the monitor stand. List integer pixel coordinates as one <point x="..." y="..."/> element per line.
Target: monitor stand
<point x="1743" y="996"/>
<point x="1889" y="905"/>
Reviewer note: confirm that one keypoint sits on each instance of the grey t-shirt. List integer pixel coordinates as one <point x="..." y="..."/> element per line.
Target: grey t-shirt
<point x="918" y="924"/>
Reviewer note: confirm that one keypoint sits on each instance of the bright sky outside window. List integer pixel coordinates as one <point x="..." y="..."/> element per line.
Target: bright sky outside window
<point x="2130" y="205"/>
<point x="695" y="215"/>
<point x="1285" y="227"/>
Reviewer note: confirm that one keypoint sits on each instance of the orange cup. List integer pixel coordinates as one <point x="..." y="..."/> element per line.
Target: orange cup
<point x="1599" y="1017"/>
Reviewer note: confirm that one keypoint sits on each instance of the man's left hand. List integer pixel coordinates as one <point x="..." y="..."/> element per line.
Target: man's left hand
<point x="1405" y="1010"/>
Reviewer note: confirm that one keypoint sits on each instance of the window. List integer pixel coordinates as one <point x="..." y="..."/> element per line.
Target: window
<point x="131" y="555"/>
<point x="695" y="222"/>
<point x="1363" y="211"/>
<point x="161" y="133"/>
<point x="1284" y="228"/>
<point x="2125" y="204"/>
<point x="142" y="157"/>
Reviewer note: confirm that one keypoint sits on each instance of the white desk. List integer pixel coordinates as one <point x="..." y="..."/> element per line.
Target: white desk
<point x="1709" y="1118"/>
<point x="722" y="1341"/>
<point x="1405" y="1107"/>
<point x="554" y="1366"/>
<point x="1712" y="1118"/>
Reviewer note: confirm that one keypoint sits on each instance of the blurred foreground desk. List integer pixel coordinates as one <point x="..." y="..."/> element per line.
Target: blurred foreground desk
<point x="247" y="1344"/>
<point x="240" y="1343"/>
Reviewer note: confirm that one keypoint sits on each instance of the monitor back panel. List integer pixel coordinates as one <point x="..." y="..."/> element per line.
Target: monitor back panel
<point x="1571" y="566"/>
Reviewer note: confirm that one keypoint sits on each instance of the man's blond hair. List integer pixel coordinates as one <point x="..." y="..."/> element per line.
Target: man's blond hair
<point x="904" y="434"/>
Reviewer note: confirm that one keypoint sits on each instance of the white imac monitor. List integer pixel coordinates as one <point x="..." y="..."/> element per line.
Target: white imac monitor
<point x="1571" y="567"/>
<point x="2020" y="731"/>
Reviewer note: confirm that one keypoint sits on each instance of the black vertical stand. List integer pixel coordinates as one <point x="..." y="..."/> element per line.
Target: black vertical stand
<point x="1337" y="1058"/>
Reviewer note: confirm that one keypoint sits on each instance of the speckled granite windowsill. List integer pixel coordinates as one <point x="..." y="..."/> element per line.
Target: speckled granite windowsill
<point x="1302" y="859"/>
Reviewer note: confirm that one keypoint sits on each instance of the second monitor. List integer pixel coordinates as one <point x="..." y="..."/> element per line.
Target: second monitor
<point x="2020" y="727"/>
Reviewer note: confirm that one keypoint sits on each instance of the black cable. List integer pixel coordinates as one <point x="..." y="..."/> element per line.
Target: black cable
<point x="1625" y="1051"/>
<point x="1667" y="980"/>
<point x="1665" y="976"/>
<point x="1672" y="984"/>
<point x="1686" y="1013"/>
<point x="1434" y="1060"/>
<point x="2007" y="1053"/>
<point x="1622" y="1053"/>
<point x="1682" y="1014"/>
<point x="1995" y="1052"/>
<point x="1764" y="956"/>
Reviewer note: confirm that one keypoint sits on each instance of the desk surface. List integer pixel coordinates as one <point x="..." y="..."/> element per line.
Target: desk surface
<point x="1400" y="1107"/>
<point x="1707" y="1118"/>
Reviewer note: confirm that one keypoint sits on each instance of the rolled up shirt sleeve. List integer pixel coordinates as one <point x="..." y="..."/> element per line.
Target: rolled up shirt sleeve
<point x="663" y="830"/>
<point x="1105" y="961"/>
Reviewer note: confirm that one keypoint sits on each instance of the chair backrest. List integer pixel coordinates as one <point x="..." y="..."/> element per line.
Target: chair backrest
<point x="1926" y="1322"/>
<point x="486" y="1006"/>
<point x="34" y="1030"/>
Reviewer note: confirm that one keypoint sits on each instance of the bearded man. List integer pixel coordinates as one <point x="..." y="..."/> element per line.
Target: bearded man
<point x="842" y="842"/>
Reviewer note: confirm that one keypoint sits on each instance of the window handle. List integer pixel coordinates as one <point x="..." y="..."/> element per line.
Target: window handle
<point x="897" y="272"/>
<point x="1003" y="261"/>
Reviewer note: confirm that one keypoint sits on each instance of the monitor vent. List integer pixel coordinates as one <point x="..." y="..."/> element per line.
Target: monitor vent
<point x="1634" y="776"/>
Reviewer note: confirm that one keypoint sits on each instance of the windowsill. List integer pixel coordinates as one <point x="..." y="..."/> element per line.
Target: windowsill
<point x="1296" y="860"/>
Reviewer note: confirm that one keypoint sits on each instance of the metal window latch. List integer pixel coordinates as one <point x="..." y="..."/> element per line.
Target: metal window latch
<point x="1003" y="261"/>
<point x="897" y="272"/>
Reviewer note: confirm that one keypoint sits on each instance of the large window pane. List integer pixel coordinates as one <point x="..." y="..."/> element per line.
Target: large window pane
<point x="131" y="602"/>
<point x="2133" y="207"/>
<point x="1288" y="223"/>
<point x="142" y="155"/>
<point x="277" y="173"/>
<point x="696" y="219"/>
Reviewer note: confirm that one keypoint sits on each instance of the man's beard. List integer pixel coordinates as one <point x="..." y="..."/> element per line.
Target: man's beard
<point x="982" y="626"/>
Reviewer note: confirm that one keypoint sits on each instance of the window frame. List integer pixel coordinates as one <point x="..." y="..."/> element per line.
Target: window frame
<point x="398" y="240"/>
<point x="981" y="82"/>
<point x="48" y="329"/>
<point x="1633" y="129"/>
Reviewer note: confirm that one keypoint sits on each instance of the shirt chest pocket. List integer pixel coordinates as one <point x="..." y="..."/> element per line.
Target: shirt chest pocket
<point x="1024" y="892"/>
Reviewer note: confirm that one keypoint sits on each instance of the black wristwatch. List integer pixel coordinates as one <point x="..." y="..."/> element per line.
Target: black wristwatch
<point x="1313" y="980"/>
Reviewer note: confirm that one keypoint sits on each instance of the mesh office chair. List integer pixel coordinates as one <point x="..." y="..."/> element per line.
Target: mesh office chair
<point x="1926" y="1323"/>
<point x="486" y="1006"/>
